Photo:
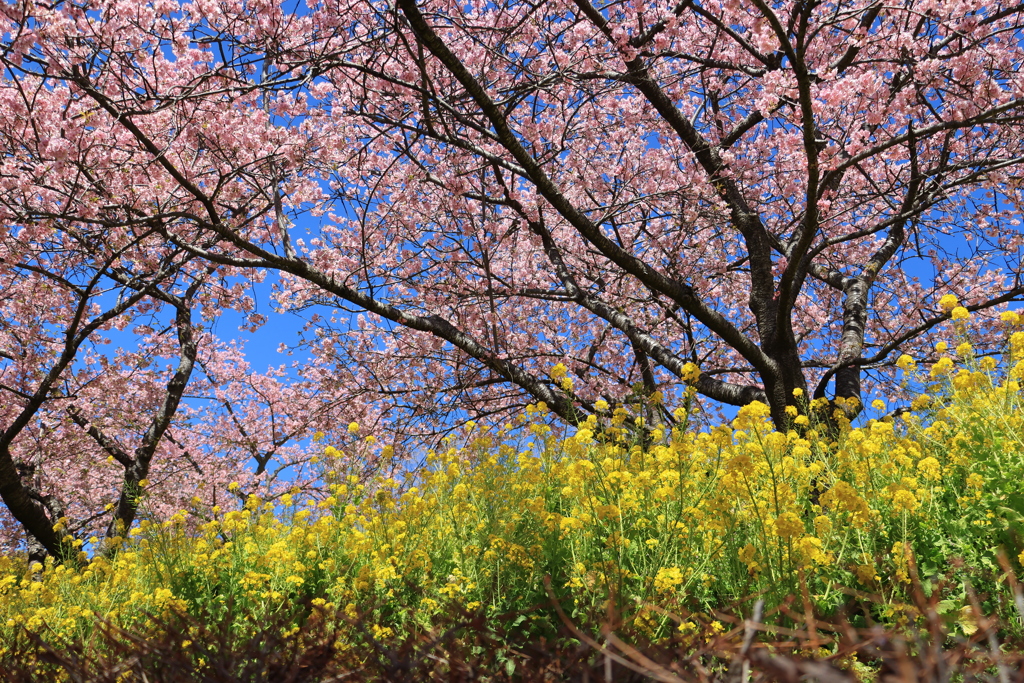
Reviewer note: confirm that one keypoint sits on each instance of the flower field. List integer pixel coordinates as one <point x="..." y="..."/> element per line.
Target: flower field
<point x="685" y="522"/>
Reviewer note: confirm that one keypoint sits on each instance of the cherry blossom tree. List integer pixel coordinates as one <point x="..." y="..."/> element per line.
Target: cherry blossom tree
<point x="89" y="432"/>
<point x="93" y="437"/>
<point x="774" y="194"/>
<point x="60" y="291"/>
<point x="486" y="205"/>
<point x="752" y="189"/>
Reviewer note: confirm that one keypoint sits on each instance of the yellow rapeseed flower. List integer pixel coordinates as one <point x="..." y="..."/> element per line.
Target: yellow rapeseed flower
<point x="948" y="302"/>
<point x="904" y="501"/>
<point x="866" y="573"/>
<point x="788" y="524"/>
<point x="690" y="373"/>
<point x="822" y="525"/>
<point x="941" y="367"/>
<point x="667" y="579"/>
<point x="810" y="550"/>
<point x="559" y="371"/>
<point x="1017" y="371"/>
<point x="930" y="468"/>
<point x="921" y="402"/>
<point x="687" y="627"/>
